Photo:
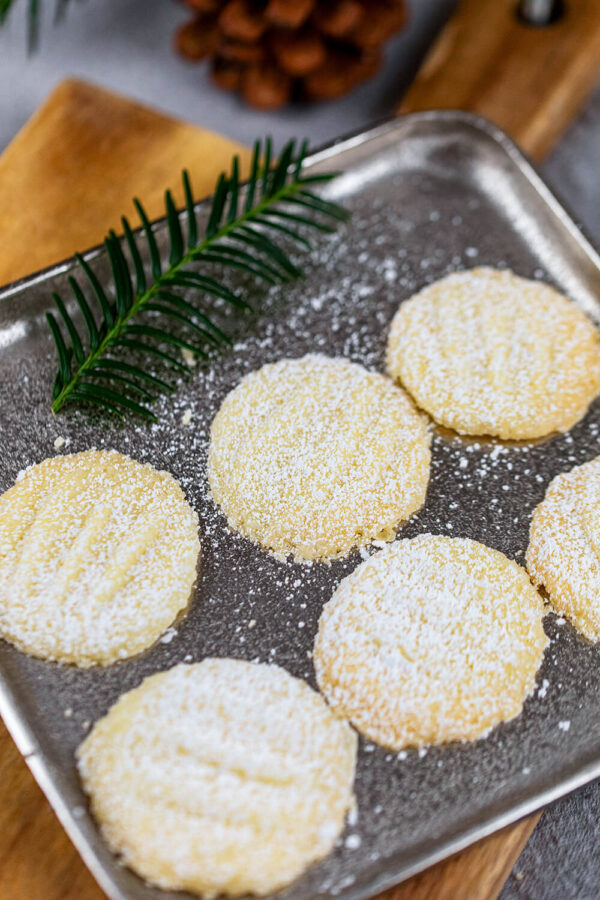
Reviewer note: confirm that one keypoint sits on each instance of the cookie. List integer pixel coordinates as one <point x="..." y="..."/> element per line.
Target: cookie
<point x="97" y="557"/>
<point x="564" y="546"/>
<point x="488" y="353"/>
<point x="223" y="777"/>
<point x="431" y="640"/>
<point x="315" y="456"/>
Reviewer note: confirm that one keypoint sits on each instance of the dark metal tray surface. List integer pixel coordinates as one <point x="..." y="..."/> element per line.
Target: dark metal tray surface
<point x="430" y="193"/>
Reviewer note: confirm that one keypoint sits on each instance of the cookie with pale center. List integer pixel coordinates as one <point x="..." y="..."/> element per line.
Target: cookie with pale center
<point x="315" y="456"/>
<point x="486" y="352"/>
<point x="223" y="777"/>
<point x="430" y="640"/>
<point x="98" y="556"/>
<point x="564" y="546"/>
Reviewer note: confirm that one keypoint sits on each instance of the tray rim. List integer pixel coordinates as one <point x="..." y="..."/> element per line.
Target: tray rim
<point x="331" y="149"/>
<point x="19" y="728"/>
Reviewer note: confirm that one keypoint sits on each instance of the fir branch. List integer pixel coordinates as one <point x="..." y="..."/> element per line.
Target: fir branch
<point x="241" y="234"/>
<point x="5" y="7"/>
<point x="33" y="17"/>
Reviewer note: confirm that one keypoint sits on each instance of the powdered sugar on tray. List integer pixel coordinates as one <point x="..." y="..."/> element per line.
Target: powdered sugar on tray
<point x="481" y="489"/>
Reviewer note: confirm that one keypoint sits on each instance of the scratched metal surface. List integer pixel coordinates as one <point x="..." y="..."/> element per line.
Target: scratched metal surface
<point x="429" y="194"/>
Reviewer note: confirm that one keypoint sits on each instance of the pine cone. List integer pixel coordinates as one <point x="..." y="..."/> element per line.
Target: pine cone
<point x="273" y="51"/>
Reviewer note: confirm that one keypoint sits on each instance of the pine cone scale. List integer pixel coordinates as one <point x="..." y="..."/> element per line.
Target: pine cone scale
<point x="272" y="51"/>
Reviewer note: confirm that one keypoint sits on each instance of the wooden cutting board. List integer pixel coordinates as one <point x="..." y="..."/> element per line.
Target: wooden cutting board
<point x="530" y="81"/>
<point x="68" y="176"/>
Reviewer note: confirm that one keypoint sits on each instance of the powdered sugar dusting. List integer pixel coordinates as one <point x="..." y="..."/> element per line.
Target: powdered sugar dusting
<point x="354" y="283"/>
<point x="97" y="556"/>
<point x="316" y="456"/>
<point x="220" y="777"/>
<point x="564" y="548"/>
<point x="486" y="352"/>
<point x="433" y="639"/>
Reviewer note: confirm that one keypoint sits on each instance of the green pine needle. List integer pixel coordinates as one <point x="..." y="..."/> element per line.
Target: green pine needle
<point x="33" y="17"/>
<point x="95" y="365"/>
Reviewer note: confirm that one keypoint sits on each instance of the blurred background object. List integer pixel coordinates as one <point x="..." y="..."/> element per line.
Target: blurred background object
<point x="281" y="50"/>
<point x="127" y="46"/>
<point x="541" y="12"/>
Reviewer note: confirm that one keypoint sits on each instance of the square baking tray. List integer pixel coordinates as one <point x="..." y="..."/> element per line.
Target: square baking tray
<point x="429" y="193"/>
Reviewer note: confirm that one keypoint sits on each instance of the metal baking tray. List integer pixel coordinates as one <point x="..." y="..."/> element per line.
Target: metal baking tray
<point x="429" y="194"/>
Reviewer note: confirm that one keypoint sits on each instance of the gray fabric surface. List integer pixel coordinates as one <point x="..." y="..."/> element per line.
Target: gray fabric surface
<point x="561" y="860"/>
<point x="126" y="45"/>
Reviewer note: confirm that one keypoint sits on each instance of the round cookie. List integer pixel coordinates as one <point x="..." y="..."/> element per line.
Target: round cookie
<point x="98" y="555"/>
<point x="487" y="352"/>
<point x="564" y="546"/>
<point x="223" y="777"/>
<point x="432" y="639"/>
<point x="316" y="456"/>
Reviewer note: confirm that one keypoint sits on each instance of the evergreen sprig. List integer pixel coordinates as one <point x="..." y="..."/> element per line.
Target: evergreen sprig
<point x="98" y="365"/>
<point x="33" y="17"/>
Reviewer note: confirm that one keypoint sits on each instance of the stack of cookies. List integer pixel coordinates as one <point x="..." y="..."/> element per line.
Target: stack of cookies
<point x="273" y="51"/>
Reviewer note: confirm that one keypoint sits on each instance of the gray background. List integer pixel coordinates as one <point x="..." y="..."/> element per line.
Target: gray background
<point x="126" y="45"/>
